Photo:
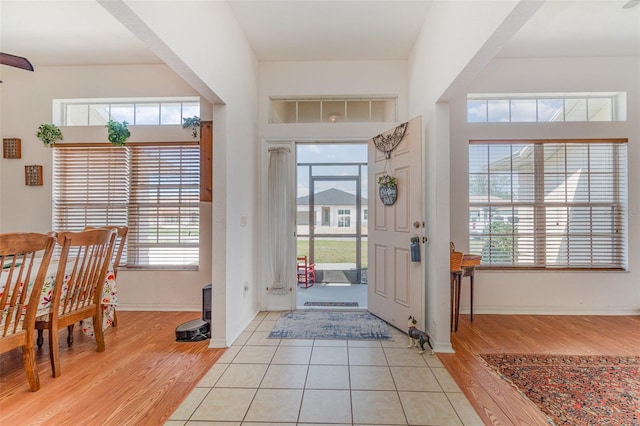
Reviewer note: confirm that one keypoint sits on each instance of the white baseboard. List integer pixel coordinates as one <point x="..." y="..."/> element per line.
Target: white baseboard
<point x="443" y="347"/>
<point x="218" y="343"/>
<point x="553" y="310"/>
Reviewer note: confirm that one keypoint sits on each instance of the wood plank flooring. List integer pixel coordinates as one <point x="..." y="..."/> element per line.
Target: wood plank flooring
<point x="494" y="399"/>
<point x="140" y="379"/>
<point x="144" y="374"/>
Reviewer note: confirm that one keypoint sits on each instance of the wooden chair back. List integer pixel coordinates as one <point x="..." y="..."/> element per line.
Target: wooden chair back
<point x="24" y="258"/>
<point x="84" y="260"/>
<point x="120" y="241"/>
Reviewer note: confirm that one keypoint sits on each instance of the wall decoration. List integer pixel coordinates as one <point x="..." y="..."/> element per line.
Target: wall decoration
<point x="11" y="148"/>
<point x="388" y="143"/>
<point x="33" y="175"/>
<point x="388" y="189"/>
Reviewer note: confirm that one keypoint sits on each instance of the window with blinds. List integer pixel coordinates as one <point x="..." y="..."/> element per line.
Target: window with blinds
<point x="548" y="203"/>
<point x="153" y="189"/>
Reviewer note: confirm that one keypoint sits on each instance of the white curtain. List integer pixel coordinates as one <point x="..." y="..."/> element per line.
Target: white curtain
<point x="280" y="221"/>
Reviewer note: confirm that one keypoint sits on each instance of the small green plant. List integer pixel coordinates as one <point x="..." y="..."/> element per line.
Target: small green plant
<point x="388" y="181"/>
<point x="49" y="134"/>
<point x="118" y="132"/>
<point x="194" y="123"/>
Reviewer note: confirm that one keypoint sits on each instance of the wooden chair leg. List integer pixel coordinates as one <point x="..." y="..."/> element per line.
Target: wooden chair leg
<point x="54" y="353"/>
<point x="40" y="339"/>
<point x="70" y="334"/>
<point x="115" y="318"/>
<point x="97" y="329"/>
<point x="29" y="360"/>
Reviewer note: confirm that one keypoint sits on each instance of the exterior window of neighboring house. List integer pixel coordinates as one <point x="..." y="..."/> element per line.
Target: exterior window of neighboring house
<point x="326" y="216"/>
<point x="546" y="107"/>
<point x="549" y="203"/>
<point x="135" y="111"/>
<point x="344" y="218"/>
<point x="154" y="189"/>
<point x="365" y="215"/>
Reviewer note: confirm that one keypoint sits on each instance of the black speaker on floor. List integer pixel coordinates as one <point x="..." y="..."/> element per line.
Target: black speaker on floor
<point x="206" y="304"/>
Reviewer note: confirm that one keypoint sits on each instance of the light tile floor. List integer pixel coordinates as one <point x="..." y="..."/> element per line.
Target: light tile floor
<point x="261" y="381"/>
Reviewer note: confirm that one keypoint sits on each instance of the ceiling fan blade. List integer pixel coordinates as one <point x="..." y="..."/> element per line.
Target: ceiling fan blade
<point x="630" y="4"/>
<point x="15" y="61"/>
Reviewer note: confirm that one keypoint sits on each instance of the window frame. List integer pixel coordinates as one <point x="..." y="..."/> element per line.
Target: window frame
<point x="540" y="233"/>
<point x="501" y="105"/>
<point x="67" y="211"/>
<point x="188" y="107"/>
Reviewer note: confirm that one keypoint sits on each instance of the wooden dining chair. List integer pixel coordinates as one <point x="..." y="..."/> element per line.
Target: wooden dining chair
<point x="24" y="258"/>
<point x="120" y="241"/>
<point x="80" y="277"/>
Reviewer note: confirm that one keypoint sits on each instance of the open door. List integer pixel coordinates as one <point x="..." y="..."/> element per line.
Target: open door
<point x="395" y="282"/>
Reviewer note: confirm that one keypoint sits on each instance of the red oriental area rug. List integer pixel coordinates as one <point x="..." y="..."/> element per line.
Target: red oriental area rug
<point x="576" y="390"/>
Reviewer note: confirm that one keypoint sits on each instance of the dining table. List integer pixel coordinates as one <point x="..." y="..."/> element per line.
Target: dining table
<point x="108" y="298"/>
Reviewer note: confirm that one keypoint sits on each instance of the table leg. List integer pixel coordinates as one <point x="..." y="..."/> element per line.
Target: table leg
<point x="471" y="296"/>
<point x="453" y="300"/>
<point x="459" y="281"/>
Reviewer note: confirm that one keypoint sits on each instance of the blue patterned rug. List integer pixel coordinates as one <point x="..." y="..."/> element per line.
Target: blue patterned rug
<point x="349" y="325"/>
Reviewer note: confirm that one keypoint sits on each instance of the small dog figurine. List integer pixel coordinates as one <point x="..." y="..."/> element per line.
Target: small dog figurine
<point x="418" y="337"/>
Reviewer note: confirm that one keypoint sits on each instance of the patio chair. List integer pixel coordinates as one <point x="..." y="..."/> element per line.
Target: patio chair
<point x="306" y="272"/>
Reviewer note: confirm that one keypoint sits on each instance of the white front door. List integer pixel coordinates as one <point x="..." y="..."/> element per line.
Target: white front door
<point x="395" y="282"/>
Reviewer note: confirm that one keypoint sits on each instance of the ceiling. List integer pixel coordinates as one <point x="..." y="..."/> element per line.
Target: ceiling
<point x="82" y="32"/>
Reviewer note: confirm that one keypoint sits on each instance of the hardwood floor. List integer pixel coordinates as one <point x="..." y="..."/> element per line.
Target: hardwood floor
<point x="140" y="379"/>
<point x="144" y="374"/>
<point x="494" y="399"/>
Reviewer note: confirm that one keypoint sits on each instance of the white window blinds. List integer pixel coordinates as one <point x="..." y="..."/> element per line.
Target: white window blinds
<point x="153" y="189"/>
<point x="548" y="204"/>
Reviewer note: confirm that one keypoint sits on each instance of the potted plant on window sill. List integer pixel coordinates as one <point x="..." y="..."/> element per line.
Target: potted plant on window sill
<point x="388" y="189"/>
<point x="194" y="123"/>
<point x="118" y="133"/>
<point x="49" y="134"/>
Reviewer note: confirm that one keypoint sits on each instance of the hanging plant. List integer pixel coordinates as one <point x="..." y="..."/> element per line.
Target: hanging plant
<point x="49" y="134"/>
<point x="118" y="132"/>
<point x="194" y="123"/>
<point x="388" y="189"/>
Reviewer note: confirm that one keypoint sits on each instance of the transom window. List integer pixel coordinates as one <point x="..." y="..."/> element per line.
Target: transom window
<point x="332" y="110"/>
<point x="154" y="189"/>
<point x="145" y="111"/>
<point x="545" y="108"/>
<point x="548" y="203"/>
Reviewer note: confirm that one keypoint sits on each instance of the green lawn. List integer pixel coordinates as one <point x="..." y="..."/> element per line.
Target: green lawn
<point x="334" y="251"/>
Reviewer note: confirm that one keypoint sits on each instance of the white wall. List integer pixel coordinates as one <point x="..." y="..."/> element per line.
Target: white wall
<point x="26" y="102"/>
<point x="452" y="46"/>
<point x="321" y="79"/>
<point x="203" y="42"/>
<point x="546" y="292"/>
